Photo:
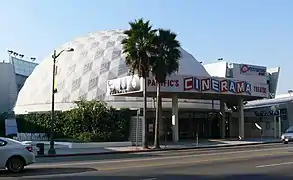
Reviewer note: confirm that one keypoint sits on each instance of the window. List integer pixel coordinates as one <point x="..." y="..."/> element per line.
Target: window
<point x="2" y="143"/>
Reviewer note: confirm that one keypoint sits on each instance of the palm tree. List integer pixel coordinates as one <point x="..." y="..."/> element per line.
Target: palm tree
<point x="138" y="47"/>
<point x="164" y="63"/>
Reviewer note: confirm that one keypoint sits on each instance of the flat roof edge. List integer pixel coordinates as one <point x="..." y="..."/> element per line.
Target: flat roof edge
<point x="267" y="102"/>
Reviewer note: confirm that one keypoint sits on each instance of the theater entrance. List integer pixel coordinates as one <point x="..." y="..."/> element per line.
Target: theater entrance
<point x="206" y="126"/>
<point x="215" y="127"/>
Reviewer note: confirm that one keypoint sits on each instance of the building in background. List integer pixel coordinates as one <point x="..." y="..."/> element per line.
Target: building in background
<point x="22" y="70"/>
<point x="265" y="112"/>
<point x="273" y="115"/>
<point x="8" y="87"/>
<point x="13" y="74"/>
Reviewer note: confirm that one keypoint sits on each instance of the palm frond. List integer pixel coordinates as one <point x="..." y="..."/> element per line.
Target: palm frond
<point x="166" y="60"/>
<point x="138" y="46"/>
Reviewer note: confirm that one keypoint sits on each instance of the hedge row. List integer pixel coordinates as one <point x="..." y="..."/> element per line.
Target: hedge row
<point x="89" y="121"/>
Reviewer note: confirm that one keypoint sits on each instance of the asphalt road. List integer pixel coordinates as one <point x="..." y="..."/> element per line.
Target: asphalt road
<point x="254" y="162"/>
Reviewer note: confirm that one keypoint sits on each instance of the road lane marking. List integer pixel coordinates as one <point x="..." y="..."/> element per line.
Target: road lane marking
<point x="215" y="148"/>
<point x="149" y="179"/>
<point x="187" y="162"/>
<point x="76" y="163"/>
<point x="272" y="165"/>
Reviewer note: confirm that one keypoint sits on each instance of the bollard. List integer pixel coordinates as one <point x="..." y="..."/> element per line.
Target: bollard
<point x="41" y="149"/>
<point x="197" y="139"/>
<point x="166" y="134"/>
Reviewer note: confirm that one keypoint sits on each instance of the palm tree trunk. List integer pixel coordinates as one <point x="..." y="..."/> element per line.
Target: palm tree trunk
<point x="145" y="142"/>
<point x="161" y="122"/>
<point x="157" y="128"/>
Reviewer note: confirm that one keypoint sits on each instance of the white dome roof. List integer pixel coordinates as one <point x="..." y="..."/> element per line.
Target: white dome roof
<point x="97" y="58"/>
<point x="190" y="66"/>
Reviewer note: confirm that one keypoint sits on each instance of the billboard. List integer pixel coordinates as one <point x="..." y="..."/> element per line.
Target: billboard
<point x="127" y="84"/>
<point x="246" y="69"/>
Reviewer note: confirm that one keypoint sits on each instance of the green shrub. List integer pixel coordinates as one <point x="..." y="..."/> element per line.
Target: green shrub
<point x="89" y="121"/>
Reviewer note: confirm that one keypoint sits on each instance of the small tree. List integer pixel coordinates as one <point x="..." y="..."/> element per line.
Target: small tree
<point x="164" y="63"/>
<point x="84" y="122"/>
<point x="138" y="47"/>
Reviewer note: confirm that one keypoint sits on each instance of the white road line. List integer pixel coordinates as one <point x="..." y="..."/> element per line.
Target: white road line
<point x="273" y="165"/>
<point x="77" y="163"/>
<point x="149" y="179"/>
<point x="215" y="148"/>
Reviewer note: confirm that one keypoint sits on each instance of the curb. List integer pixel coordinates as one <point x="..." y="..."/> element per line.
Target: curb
<point x="154" y="150"/>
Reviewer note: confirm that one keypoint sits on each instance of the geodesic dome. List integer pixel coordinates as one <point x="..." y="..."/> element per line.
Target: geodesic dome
<point x="83" y="73"/>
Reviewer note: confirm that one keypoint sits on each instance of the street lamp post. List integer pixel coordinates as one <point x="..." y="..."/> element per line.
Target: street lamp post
<point x="52" y="150"/>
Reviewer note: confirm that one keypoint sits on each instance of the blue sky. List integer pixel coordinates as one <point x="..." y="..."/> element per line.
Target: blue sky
<point x="248" y="31"/>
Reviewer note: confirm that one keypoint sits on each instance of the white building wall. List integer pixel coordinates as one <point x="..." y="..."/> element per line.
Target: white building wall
<point x="274" y="79"/>
<point x="8" y="88"/>
<point x="218" y="69"/>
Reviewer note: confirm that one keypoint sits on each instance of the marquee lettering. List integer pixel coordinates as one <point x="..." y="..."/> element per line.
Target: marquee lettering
<point x="212" y="84"/>
<point x="167" y="83"/>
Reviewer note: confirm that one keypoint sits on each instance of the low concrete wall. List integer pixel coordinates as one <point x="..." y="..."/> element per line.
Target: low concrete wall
<point x="59" y="145"/>
<point x="101" y="144"/>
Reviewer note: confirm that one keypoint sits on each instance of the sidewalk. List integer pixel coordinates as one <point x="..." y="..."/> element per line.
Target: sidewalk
<point x="79" y="149"/>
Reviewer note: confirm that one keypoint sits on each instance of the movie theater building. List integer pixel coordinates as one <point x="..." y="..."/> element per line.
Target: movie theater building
<point x="273" y="115"/>
<point x="192" y="98"/>
<point x="216" y="103"/>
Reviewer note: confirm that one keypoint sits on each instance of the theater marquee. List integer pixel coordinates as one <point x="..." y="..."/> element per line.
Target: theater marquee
<point x="224" y="85"/>
<point x="125" y="85"/>
<point x="189" y="84"/>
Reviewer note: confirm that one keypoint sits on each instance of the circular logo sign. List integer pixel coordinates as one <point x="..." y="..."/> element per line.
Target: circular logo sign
<point x="244" y="68"/>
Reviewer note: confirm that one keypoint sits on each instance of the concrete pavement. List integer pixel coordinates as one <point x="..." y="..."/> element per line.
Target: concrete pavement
<point x="254" y="162"/>
<point x="77" y="149"/>
<point x="154" y="154"/>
